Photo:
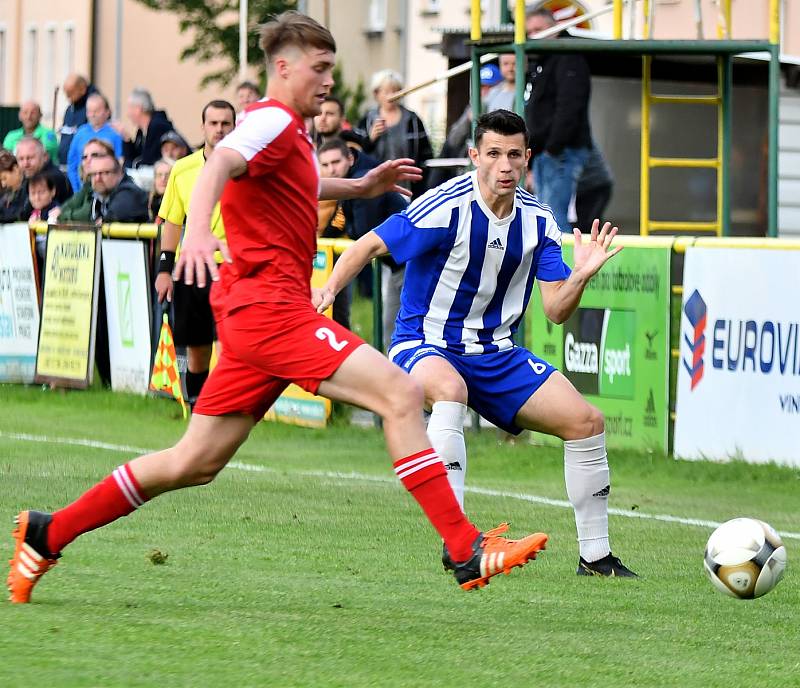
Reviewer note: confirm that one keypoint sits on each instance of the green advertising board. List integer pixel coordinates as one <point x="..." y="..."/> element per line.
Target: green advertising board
<point x="615" y="347"/>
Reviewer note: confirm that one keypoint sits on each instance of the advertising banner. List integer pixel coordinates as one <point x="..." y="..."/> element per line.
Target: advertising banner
<point x="738" y="387"/>
<point x="69" y="307"/>
<point x="19" y="305"/>
<point x="128" y="307"/>
<point x="295" y="405"/>
<point x="615" y="347"/>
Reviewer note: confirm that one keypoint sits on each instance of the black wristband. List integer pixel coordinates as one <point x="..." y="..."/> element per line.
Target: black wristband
<point x="166" y="261"/>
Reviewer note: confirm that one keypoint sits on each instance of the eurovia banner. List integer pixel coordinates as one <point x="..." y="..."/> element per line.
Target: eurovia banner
<point x="69" y="307"/>
<point x="615" y="347"/>
<point x="295" y="405"/>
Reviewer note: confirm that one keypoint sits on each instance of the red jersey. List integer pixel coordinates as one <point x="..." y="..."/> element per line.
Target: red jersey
<point x="270" y="211"/>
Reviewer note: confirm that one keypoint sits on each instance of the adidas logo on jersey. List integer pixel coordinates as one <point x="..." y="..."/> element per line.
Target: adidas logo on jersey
<point x="496" y="243"/>
<point x="453" y="466"/>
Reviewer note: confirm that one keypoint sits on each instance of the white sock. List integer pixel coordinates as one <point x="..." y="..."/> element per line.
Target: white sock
<point x="587" y="477"/>
<point x="446" y="433"/>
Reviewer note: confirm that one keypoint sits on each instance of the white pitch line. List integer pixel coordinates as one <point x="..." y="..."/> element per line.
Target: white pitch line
<point x="364" y="477"/>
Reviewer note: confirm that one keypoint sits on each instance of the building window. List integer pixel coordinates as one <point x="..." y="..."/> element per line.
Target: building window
<point x="49" y="67"/>
<point x="3" y="64"/>
<point x="376" y="16"/>
<point x="431" y="7"/>
<point x="68" y="61"/>
<point x="30" y="80"/>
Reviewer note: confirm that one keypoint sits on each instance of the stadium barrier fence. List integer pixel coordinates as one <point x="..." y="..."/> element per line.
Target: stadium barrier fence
<point x="638" y="347"/>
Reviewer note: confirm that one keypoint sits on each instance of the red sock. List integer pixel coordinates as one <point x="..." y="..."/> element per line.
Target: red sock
<point x="118" y="495"/>
<point x="424" y="476"/>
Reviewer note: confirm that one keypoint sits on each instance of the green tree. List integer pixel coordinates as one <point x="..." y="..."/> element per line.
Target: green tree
<point x="352" y="98"/>
<point x="214" y="28"/>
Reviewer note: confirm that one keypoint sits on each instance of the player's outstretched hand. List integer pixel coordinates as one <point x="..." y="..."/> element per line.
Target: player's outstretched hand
<point x="322" y="299"/>
<point x="387" y="177"/>
<point x="197" y="256"/>
<point x="591" y="255"/>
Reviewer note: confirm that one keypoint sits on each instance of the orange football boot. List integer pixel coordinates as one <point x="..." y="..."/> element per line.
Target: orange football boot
<point x="28" y="564"/>
<point x="493" y="554"/>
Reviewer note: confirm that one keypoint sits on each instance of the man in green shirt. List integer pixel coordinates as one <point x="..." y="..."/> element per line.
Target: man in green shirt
<point x="30" y="115"/>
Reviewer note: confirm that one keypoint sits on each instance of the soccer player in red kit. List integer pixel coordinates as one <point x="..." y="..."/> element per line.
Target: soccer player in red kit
<point x="266" y="175"/>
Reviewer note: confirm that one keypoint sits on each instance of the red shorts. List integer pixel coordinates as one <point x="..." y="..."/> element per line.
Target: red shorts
<point x="265" y="346"/>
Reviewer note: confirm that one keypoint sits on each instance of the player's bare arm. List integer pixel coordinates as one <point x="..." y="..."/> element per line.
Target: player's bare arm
<point x="170" y="236"/>
<point x="199" y="244"/>
<point x="349" y="264"/>
<point x="560" y="299"/>
<point x="381" y="179"/>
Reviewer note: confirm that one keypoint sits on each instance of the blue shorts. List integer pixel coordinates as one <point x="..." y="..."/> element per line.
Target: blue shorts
<point x="498" y="384"/>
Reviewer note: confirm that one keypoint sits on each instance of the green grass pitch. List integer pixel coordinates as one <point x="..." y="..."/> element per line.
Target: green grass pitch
<point x="308" y="565"/>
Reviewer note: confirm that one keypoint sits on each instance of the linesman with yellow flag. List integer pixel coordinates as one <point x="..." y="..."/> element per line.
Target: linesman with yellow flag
<point x="194" y="321"/>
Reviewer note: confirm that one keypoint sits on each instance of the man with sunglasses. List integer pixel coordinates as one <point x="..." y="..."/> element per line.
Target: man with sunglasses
<point x="115" y="196"/>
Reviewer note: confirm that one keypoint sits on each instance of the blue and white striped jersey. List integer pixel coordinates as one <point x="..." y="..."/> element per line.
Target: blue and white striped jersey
<point x="469" y="275"/>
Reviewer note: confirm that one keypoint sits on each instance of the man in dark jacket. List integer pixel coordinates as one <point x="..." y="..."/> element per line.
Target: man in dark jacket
<point x="115" y="196"/>
<point x="151" y="125"/>
<point x="33" y="159"/>
<point x="77" y="89"/>
<point x="557" y="116"/>
<point x="361" y="215"/>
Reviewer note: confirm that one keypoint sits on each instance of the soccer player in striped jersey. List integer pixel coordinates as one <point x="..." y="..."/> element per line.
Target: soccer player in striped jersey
<point x="473" y="248"/>
<point x="267" y="177"/>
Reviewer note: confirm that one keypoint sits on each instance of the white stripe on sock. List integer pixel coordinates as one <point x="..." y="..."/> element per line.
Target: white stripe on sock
<point x="430" y="462"/>
<point x="408" y="464"/>
<point x="128" y="478"/>
<point x="124" y="488"/>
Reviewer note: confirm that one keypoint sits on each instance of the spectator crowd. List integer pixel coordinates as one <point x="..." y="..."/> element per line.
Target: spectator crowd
<point x="94" y="170"/>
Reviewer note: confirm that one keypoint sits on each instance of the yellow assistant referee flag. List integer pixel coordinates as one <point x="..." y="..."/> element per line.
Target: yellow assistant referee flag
<point x="166" y="377"/>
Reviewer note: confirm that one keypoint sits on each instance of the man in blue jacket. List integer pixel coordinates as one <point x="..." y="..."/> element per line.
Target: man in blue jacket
<point x="98" y="114"/>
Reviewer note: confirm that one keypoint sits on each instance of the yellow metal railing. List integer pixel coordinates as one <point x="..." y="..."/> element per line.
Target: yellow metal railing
<point x="649" y="162"/>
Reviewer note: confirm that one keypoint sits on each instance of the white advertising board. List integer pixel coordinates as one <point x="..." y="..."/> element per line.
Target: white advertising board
<point x="19" y="305"/>
<point x="128" y="308"/>
<point x="738" y="387"/>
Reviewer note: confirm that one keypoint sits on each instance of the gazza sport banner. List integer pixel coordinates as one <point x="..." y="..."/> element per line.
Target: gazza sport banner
<point x="738" y="387"/>
<point x="19" y="305"/>
<point x="128" y="309"/>
<point x="615" y="347"/>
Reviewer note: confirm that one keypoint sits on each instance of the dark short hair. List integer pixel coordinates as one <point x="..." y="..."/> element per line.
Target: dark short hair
<point x="7" y="160"/>
<point x="250" y="86"/>
<point x="220" y="105"/>
<point x="335" y="144"/>
<point x="334" y="99"/>
<point x="293" y="28"/>
<point x="43" y="178"/>
<point x="502" y="122"/>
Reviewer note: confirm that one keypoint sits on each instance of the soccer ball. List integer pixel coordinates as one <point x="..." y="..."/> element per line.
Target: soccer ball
<point x="745" y="558"/>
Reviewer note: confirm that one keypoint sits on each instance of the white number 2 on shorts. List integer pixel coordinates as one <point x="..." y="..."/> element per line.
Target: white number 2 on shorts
<point x="326" y="333"/>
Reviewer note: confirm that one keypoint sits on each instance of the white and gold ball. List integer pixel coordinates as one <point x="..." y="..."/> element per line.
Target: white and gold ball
<point x="745" y="558"/>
